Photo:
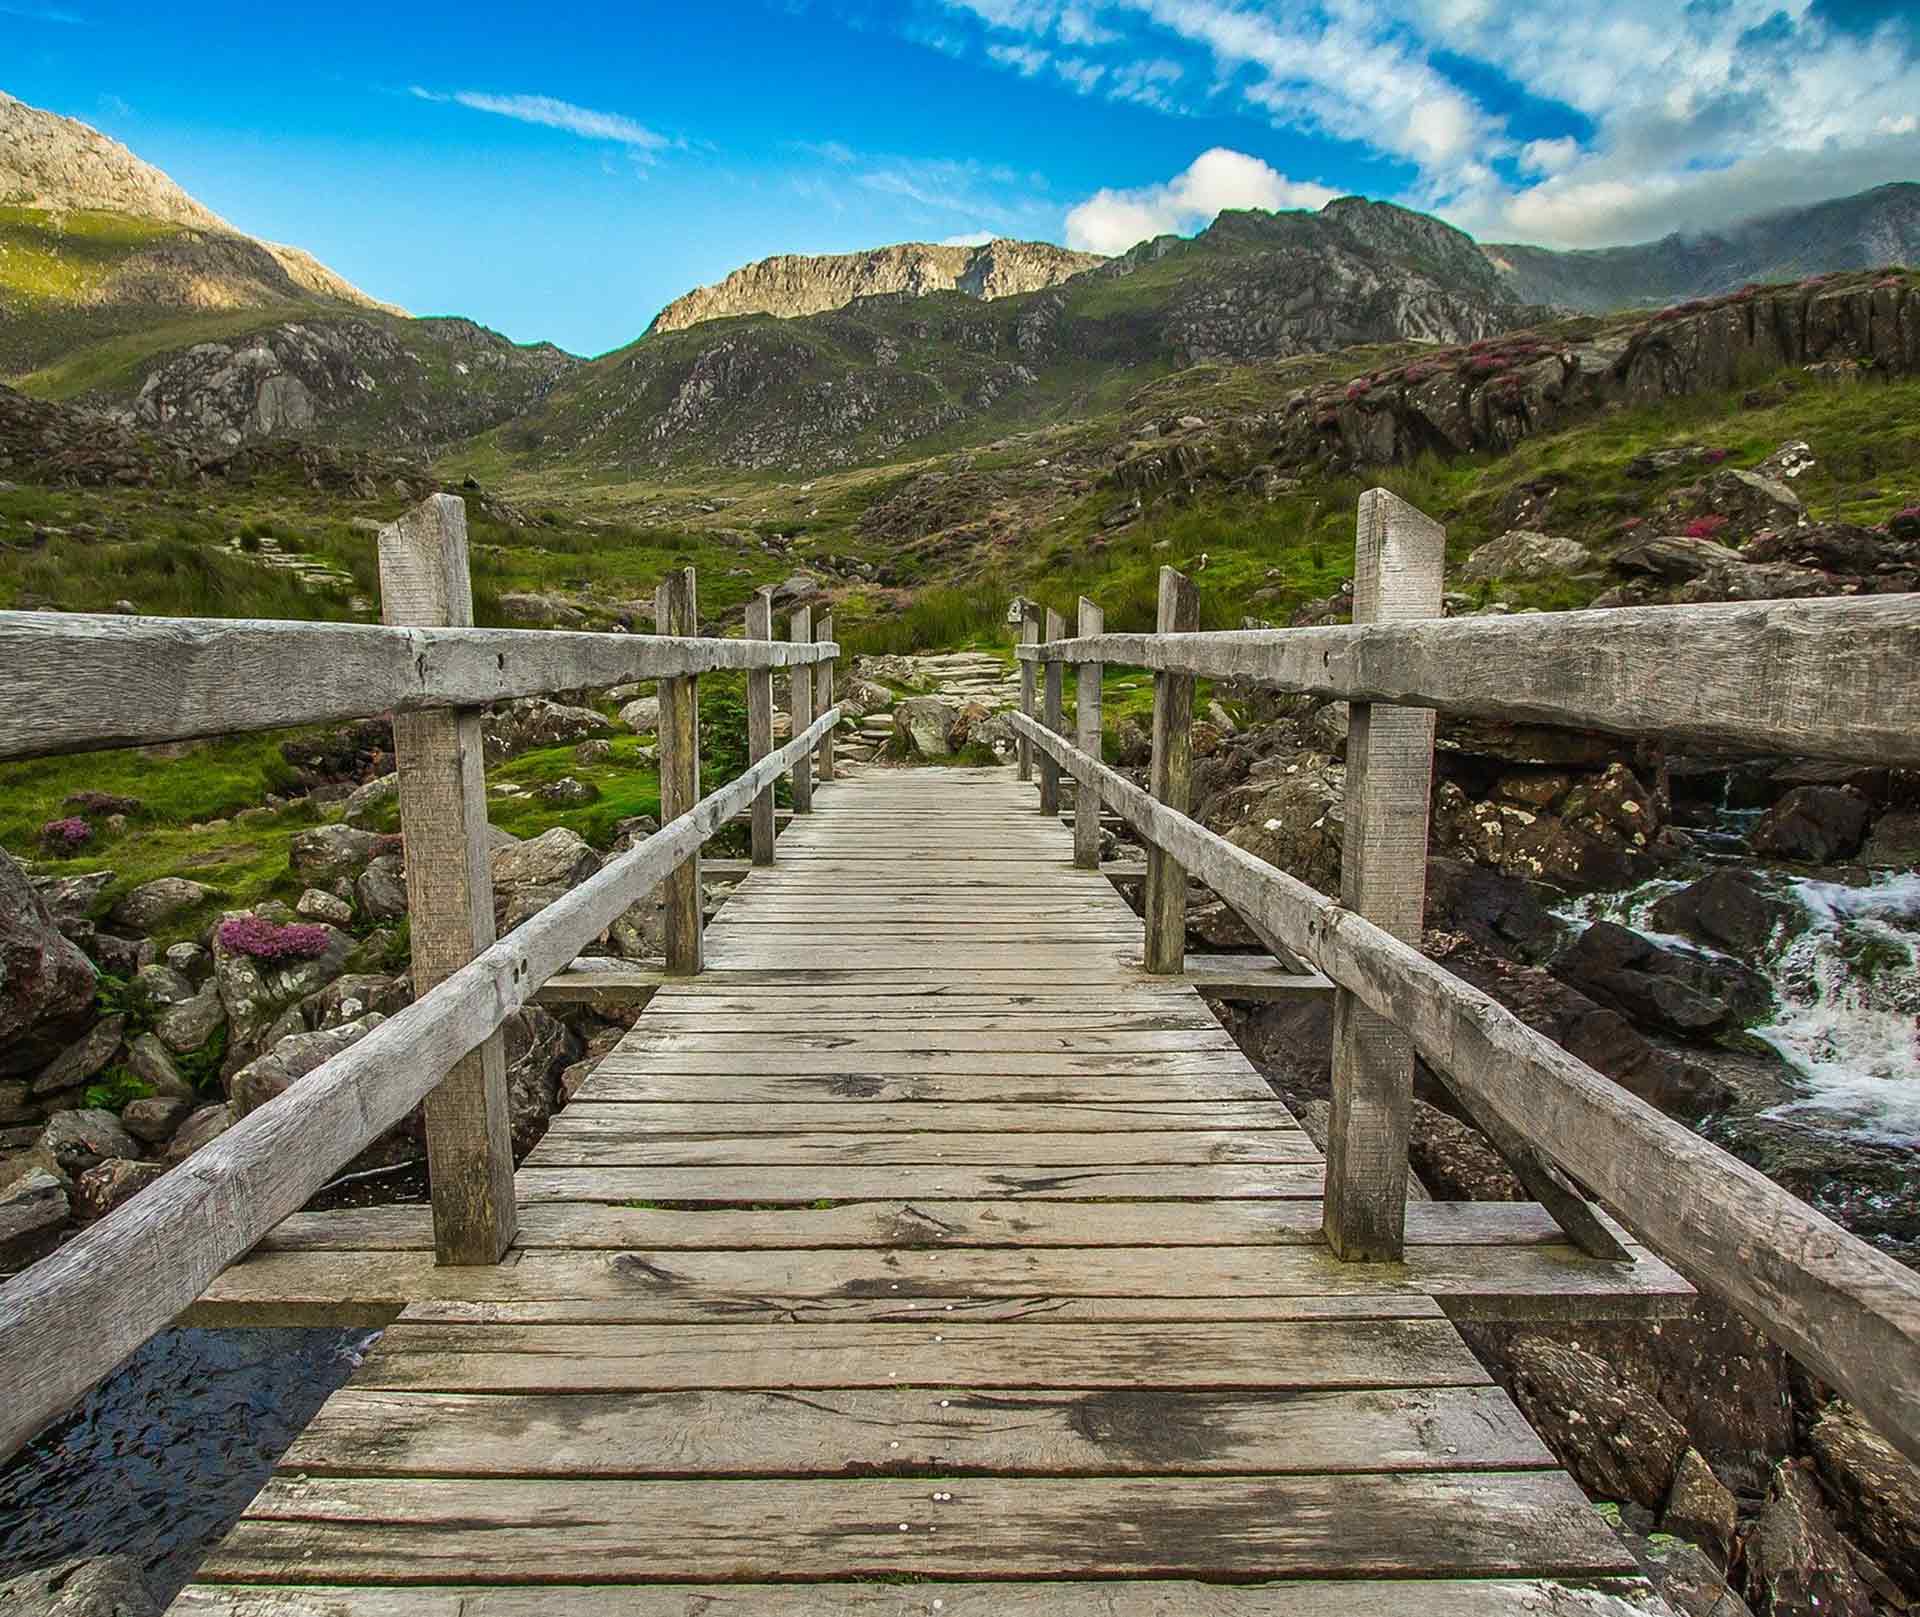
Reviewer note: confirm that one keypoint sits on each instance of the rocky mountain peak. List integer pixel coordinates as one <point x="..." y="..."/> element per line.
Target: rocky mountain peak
<point x="794" y="284"/>
<point x="61" y="165"/>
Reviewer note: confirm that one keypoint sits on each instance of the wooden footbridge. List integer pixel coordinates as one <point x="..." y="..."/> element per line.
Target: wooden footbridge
<point x="927" y="1246"/>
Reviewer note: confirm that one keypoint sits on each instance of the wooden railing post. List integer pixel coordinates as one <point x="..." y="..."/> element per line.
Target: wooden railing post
<point x="1050" y="716"/>
<point x="823" y="695"/>
<point x="676" y="611"/>
<point x="1086" y="718"/>
<point x="1029" y="636"/>
<point x="424" y="583"/>
<point x="1399" y="566"/>
<point x="800" y="682"/>
<point x="760" y="723"/>
<point x="1172" y="778"/>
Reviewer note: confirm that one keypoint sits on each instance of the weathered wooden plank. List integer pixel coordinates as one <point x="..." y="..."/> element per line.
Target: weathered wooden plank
<point x="647" y="1041"/>
<point x="83" y="681"/>
<point x="1502" y="1281"/>
<point x="759" y="733"/>
<point x="1467" y="1597"/>
<point x="800" y="699"/>
<point x="597" y="1110"/>
<point x="585" y="1144"/>
<point x="1029" y="635"/>
<point x="1050" y="712"/>
<point x="823" y="695"/>
<point x="745" y="1090"/>
<point x="1169" y="1065"/>
<point x="1819" y="679"/>
<point x="597" y="1226"/>
<point x="494" y="1530"/>
<point x="443" y="815"/>
<point x="1848" y="1311"/>
<point x="1165" y="905"/>
<point x="882" y="1431"/>
<point x="1399" y="569"/>
<point x="73" y="1316"/>
<point x="770" y="1186"/>
<point x="676" y="611"/>
<point x="1086" y="718"/>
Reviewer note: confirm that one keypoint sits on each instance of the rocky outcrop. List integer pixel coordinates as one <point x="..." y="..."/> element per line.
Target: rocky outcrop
<point x="46" y="984"/>
<point x="795" y="284"/>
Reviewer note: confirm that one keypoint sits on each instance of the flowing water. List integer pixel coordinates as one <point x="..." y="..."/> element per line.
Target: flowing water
<point x="166" y="1453"/>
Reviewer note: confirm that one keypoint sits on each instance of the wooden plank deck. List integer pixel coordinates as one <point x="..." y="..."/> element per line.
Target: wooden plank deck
<point x="924" y="1256"/>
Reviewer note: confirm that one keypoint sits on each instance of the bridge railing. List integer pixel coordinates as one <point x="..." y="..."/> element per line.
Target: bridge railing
<point x="1836" y="679"/>
<point x="78" y="682"/>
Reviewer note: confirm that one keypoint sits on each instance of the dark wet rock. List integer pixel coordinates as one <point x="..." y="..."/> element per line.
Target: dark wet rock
<point x="1701" y="1508"/>
<point x="1797" y="1562"/>
<point x="539" y="1049"/>
<point x="1294" y="819"/>
<point x="1616" y="1438"/>
<point x="1684" y="1575"/>
<point x="1817" y="824"/>
<point x="1730" y="910"/>
<point x="202" y="1127"/>
<point x="1497" y="912"/>
<point x="83" y="1058"/>
<point x="106" y="1586"/>
<point x="153" y="1118"/>
<point x="78" y="1139"/>
<point x="106" y="1185"/>
<point x="1895" y="843"/>
<point x="34" y="1209"/>
<point x="46" y="983"/>
<point x="1694" y="995"/>
<point x="1875" y="1488"/>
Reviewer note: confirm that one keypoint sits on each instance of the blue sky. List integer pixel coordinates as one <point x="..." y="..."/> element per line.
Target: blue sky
<point x="562" y="171"/>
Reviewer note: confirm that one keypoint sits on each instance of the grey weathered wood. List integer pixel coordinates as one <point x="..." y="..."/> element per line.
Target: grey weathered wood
<point x="1172" y="778"/>
<point x="1086" y="715"/>
<point x="1819" y="679"/>
<point x="78" y="681"/>
<point x="801" y="1185"/>
<point x="801" y="687"/>
<point x="1029" y="636"/>
<point x="500" y="1529"/>
<point x="823" y="695"/>
<point x="1050" y="716"/>
<point x="1399" y="568"/>
<point x="68" y="1320"/>
<point x="1848" y="1311"/>
<point x="439" y="755"/>
<point x="1432" y="1597"/>
<point x="676" y="611"/>
<point x="760" y="726"/>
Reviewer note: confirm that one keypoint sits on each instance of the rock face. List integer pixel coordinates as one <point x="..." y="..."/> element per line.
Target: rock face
<point x="1694" y="995"/>
<point x="111" y="1586"/>
<point x="1797" y="1561"/>
<point x="1814" y="823"/>
<point x="46" y="984"/>
<point x="1521" y="554"/>
<point x="794" y="284"/>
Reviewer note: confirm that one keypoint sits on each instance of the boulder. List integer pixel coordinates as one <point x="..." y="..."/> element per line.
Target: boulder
<point x="1497" y="912"/>
<point x="1695" y="995"/>
<point x="106" y="1185"/>
<point x="530" y="875"/>
<point x="46" y="984"/>
<point x="186" y="1027"/>
<point x="1701" y="1508"/>
<point x="149" y="1061"/>
<point x="1895" y="843"/>
<point x="380" y="893"/>
<point x="1674" y="558"/>
<point x="1876" y="1487"/>
<point x="1750" y="501"/>
<point x="330" y="850"/>
<point x="1617" y="1439"/>
<point x="350" y="996"/>
<point x="202" y="1127"/>
<point x="1296" y="820"/>
<point x="1519" y="553"/>
<point x="82" y="1059"/>
<point x="152" y="903"/>
<point x="153" y="1118"/>
<point x="569" y="792"/>
<point x="33" y="1211"/>
<point x="256" y="993"/>
<point x="291" y="1059"/>
<point x="1797" y="1562"/>
<point x="534" y="721"/>
<point x="163" y="985"/>
<point x="106" y="1586"/>
<point x="796" y="588"/>
<point x="539" y="1049"/>
<point x="318" y="905"/>
<point x="597" y="751"/>
<point x="923" y="727"/>
<point x="76" y="1140"/>
<point x="372" y="801"/>
<point x="1815" y="824"/>
<point x="1729" y="910"/>
<point x="642" y="715"/>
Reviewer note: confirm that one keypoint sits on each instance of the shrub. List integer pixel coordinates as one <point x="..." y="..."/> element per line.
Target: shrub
<point x="65" y="836"/>
<point x="262" y="939"/>
<point x="1705" y="527"/>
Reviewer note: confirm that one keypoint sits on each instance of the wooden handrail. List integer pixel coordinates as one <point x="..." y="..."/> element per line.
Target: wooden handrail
<point x="1846" y="1310"/>
<point x="80" y="682"/>
<point x="71" y="1318"/>
<point x="1819" y="679"/>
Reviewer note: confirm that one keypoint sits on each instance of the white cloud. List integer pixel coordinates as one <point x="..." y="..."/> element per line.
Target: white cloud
<point x="551" y="113"/>
<point x="1023" y="59"/>
<point x="1111" y="221"/>
<point x="1083" y="75"/>
<point x="1550" y="156"/>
